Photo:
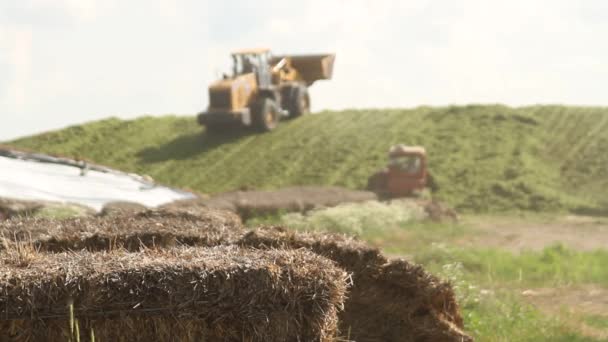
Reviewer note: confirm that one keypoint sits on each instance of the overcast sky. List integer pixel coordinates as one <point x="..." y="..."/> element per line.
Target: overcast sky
<point x="65" y="62"/>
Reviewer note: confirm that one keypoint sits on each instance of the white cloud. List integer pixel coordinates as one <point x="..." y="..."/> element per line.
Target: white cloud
<point x="17" y="51"/>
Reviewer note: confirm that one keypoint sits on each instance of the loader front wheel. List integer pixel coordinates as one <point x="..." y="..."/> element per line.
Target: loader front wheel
<point x="265" y="115"/>
<point x="299" y="102"/>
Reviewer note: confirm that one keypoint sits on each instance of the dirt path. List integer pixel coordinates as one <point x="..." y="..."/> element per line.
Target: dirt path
<point x="518" y="234"/>
<point x="571" y="304"/>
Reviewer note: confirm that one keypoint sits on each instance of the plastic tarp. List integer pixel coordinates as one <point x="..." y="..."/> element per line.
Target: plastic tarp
<point x="40" y="177"/>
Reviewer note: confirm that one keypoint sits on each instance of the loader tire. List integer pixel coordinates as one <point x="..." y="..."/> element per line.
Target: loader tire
<point x="299" y="101"/>
<point x="265" y="115"/>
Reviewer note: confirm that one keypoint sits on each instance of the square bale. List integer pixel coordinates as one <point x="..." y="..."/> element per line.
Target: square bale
<point x="221" y="293"/>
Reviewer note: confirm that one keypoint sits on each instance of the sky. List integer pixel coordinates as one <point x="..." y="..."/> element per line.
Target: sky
<point x="65" y="62"/>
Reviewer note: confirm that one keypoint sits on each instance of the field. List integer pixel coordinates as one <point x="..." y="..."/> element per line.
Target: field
<point x="527" y="257"/>
<point x="485" y="158"/>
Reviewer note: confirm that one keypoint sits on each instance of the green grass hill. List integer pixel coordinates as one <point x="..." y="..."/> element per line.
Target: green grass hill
<point x="486" y="158"/>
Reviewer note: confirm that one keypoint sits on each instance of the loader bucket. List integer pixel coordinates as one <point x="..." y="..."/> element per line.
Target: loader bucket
<point x="311" y="67"/>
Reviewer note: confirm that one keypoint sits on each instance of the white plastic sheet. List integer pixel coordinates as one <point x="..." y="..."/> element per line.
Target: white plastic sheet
<point x="34" y="180"/>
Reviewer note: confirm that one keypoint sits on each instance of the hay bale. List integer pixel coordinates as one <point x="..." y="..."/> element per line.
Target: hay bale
<point x="389" y="300"/>
<point x="184" y="294"/>
<point x="147" y="229"/>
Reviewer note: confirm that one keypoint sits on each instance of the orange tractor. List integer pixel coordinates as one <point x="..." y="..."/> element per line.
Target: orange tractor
<point x="405" y="175"/>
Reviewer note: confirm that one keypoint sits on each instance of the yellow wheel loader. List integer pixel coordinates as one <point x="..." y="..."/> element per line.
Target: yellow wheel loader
<point x="263" y="88"/>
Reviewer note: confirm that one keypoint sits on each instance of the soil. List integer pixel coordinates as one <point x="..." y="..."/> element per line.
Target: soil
<point x="569" y="301"/>
<point x="577" y="232"/>
<point x="250" y="203"/>
<point x="519" y="234"/>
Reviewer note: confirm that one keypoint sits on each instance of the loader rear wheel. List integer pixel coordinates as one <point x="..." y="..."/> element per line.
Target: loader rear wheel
<point x="265" y="115"/>
<point x="299" y="101"/>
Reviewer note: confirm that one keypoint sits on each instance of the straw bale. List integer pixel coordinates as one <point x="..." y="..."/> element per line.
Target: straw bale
<point x="220" y="293"/>
<point x="389" y="300"/>
<point x="150" y="228"/>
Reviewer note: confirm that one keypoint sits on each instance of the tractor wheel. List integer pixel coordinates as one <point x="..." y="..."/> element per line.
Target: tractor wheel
<point x="299" y="101"/>
<point x="265" y="115"/>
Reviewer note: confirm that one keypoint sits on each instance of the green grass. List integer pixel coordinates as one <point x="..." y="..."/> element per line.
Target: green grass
<point x="554" y="266"/>
<point x="485" y="158"/>
<point x="60" y="211"/>
<point x="506" y="318"/>
<point x="596" y="321"/>
<point x="397" y="227"/>
<point x="500" y="315"/>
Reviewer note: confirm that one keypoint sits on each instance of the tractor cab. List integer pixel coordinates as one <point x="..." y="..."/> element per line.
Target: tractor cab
<point x="409" y="160"/>
<point x="254" y="61"/>
<point x="405" y="175"/>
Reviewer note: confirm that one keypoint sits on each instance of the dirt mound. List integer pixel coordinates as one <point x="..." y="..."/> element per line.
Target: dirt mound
<point x="184" y="294"/>
<point x="292" y="199"/>
<point x="389" y="301"/>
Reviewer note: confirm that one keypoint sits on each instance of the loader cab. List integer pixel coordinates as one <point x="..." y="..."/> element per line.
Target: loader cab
<point x="253" y="61"/>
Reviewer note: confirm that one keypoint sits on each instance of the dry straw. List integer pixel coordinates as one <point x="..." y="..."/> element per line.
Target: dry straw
<point x="223" y="293"/>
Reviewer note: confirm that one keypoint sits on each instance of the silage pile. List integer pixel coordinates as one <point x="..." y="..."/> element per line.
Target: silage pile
<point x="201" y="275"/>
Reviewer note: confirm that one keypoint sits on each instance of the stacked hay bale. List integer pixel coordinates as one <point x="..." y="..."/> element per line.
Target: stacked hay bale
<point x="146" y="229"/>
<point x="387" y="300"/>
<point x="184" y="294"/>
